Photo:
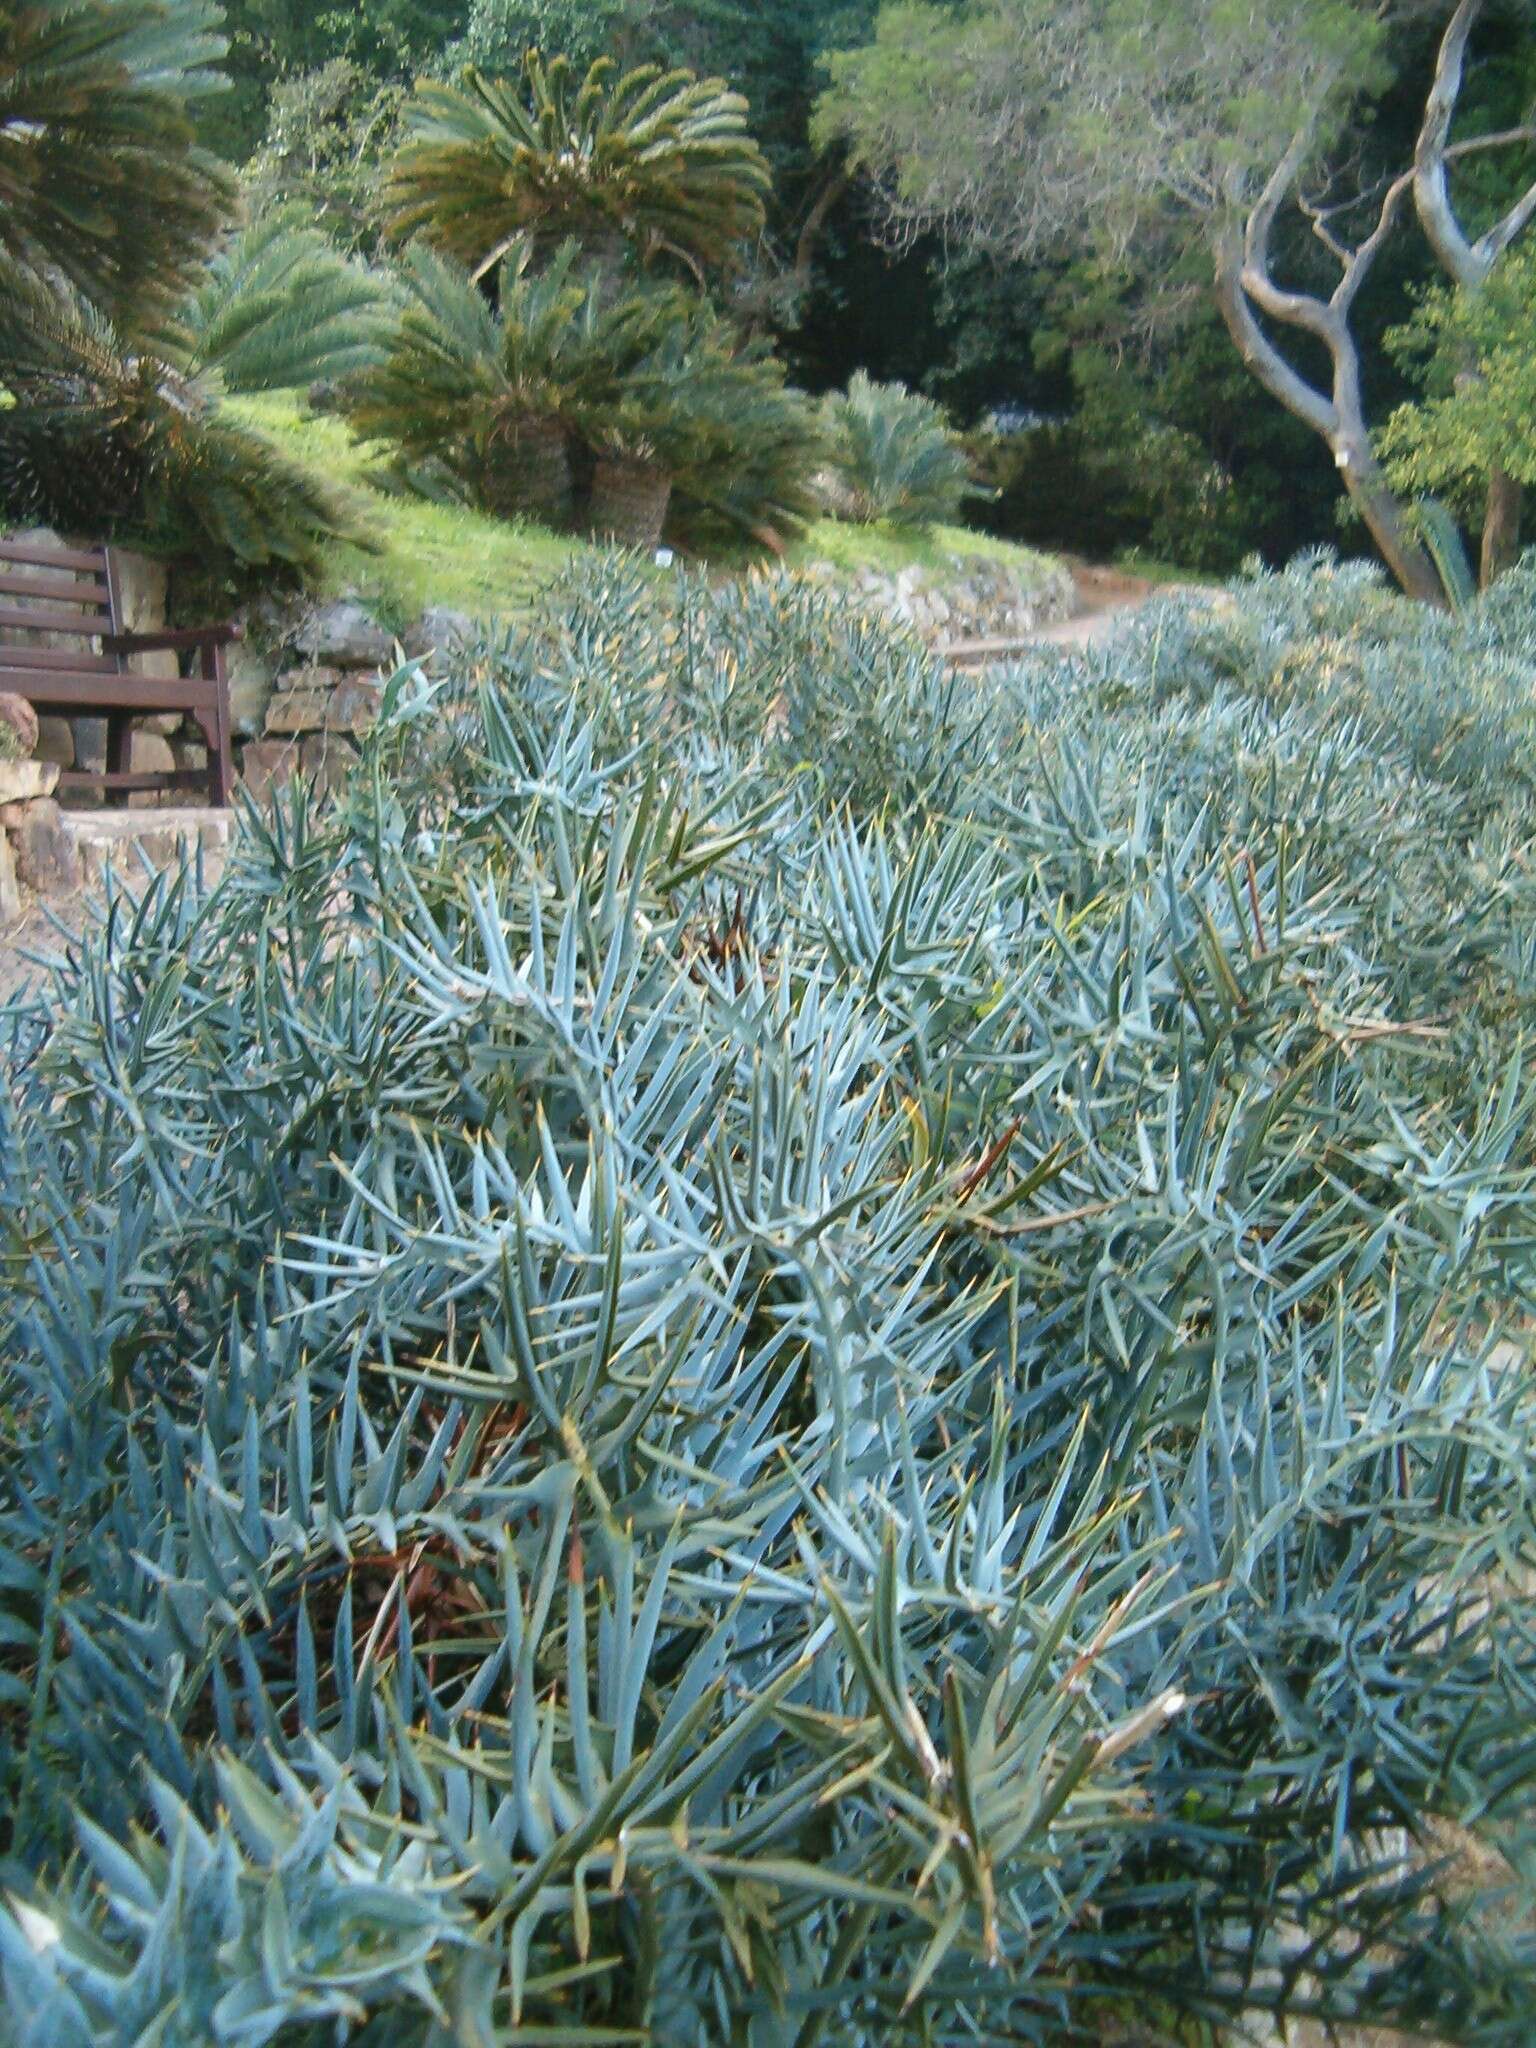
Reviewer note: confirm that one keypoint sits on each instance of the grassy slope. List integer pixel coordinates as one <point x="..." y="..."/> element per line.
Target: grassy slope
<point x="435" y="555"/>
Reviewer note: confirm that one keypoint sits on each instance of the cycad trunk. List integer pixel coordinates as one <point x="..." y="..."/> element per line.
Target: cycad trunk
<point x="528" y="470"/>
<point x="629" y="501"/>
<point x="1501" y="527"/>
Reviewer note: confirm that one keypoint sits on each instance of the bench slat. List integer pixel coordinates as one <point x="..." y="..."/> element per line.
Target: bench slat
<point x="57" y="590"/>
<point x="138" y="778"/>
<point x="50" y="688"/>
<point x="54" y="558"/>
<point x="70" y="658"/>
<point x="19" y="618"/>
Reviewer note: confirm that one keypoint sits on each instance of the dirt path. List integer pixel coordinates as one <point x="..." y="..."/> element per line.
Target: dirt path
<point x="1105" y="597"/>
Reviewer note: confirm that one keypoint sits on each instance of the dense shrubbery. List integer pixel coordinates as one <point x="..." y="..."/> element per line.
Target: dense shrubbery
<point x="775" y="1349"/>
<point x="893" y="456"/>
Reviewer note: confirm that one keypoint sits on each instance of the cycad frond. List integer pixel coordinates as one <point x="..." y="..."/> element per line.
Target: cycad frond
<point x="894" y="454"/>
<point x="661" y="159"/>
<point x="100" y="177"/>
<point x="104" y="437"/>
<point x="281" y="308"/>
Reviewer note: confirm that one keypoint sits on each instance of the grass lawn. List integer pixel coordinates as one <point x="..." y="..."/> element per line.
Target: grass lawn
<point x="438" y="555"/>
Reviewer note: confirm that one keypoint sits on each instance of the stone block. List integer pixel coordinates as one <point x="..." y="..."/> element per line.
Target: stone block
<point x="55" y="742"/>
<point x="292" y="711"/>
<point x="250" y="686"/>
<point x="438" y="631"/>
<point x="20" y="780"/>
<point x="149" y="753"/>
<point x="47" y="854"/>
<point x="353" y="706"/>
<point x="10" y="894"/>
<point x="345" y="635"/>
<point x="19" y="720"/>
<point x="327" y="760"/>
<point x="309" y="677"/>
<point x="266" y="765"/>
<point x="90" y="742"/>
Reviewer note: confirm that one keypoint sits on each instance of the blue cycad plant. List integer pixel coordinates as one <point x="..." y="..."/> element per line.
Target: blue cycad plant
<point x="773" y="1350"/>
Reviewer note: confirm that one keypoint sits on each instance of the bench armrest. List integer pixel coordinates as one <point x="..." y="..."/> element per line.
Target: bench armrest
<point x="154" y="643"/>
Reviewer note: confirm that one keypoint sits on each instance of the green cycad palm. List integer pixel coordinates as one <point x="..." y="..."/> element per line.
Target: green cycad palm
<point x="483" y="395"/>
<point x="112" y="431"/>
<point x="280" y="308"/>
<point x="661" y="160"/>
<point x="895" y="456"/>
<point x="100" y="179"/>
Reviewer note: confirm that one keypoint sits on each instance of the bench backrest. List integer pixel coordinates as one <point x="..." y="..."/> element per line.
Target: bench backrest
<point x="70" y="598"/>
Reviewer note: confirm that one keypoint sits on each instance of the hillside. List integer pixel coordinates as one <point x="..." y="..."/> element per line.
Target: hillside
<point x="437" y="555"/>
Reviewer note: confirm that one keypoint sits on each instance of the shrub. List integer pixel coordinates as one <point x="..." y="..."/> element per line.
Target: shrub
<point x="659" y="162"/>
<point x="491" y="403"/>
<point x="893" y="456"/>
<point x="777" y="1348"/>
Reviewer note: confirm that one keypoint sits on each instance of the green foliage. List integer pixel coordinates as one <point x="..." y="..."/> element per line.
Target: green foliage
<point x="660" y="160"/>
<point x="100" y="181"/>
<point x="894" y="456"/>
<point x="483" y="395"/>
<point x="500" y="33"/>
<point x="105" y="436"/>
<point x="329" y="133"/>
<point x="279" y="308"/>
<point x="776" y="1349"/>
<point x="487" y="400"/>
<point x="1475" y="353"/>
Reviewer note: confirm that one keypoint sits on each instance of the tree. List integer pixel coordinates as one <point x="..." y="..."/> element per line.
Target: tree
<point x="1471" y="262"/>
<point x="101" y="181"/>
<point x="1473" y="436"/>
<point x="1185" y="137"/>
<point x="660" y="160"/>
<point x="109" y="430"/>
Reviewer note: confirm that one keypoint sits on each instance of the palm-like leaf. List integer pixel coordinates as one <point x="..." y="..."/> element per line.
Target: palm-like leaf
<point x="662" y="160"/>
<point x="100" y="179"/>
<point x="101" y="436"/>
<point x="280" y="308"/>
<point x="483" y="393"/>
<point x="894" y="455"/>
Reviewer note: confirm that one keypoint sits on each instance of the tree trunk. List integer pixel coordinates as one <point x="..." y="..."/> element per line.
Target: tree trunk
<point x="528" y="470"/>
<point x="629" y="501"/>
<point x="1373" y="498"/>
<point x="1501" y="527"/>
<point x="1337" y="416"/>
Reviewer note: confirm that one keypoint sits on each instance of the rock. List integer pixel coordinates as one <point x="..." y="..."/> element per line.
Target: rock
<point x="165" y="723"/>
<point x="291" y="711"/>
<point x="10" y="894"/>
<point x="141" y="595"/>
<point x="149" y="753"/>
<point x="266" y="765"/>
<point x="962" y="597"/>
<point x="90" y="742"/>
<point x="309" y="678"/>
<point x="55" y="742"/>
<point x="345" y="635"/>
<point x="22" y="779"/>
<point x="19" y="720"/>
<point x="327" y="760"/>
<point x="47" y="855"/>
<point x="354" y="706"/>
<point x="438" y="631"/>
<point x="250" y="687"/>
<point x="124" y="840"/>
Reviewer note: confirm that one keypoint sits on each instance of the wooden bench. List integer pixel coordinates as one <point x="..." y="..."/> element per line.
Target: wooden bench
<point x="79" y="666"/>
